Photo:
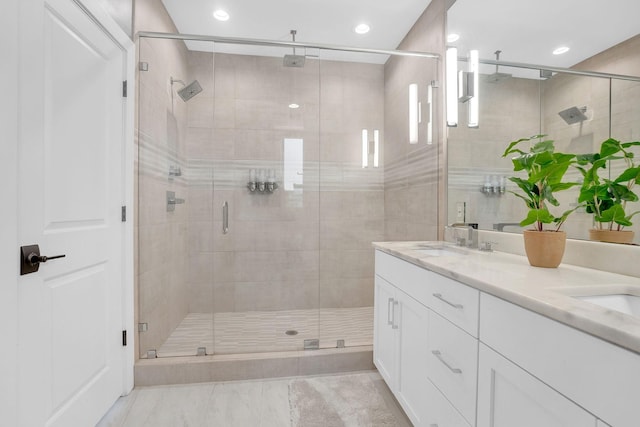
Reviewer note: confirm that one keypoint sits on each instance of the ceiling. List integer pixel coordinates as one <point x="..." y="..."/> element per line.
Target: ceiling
<point x="525" y="30"/>
<point x="319" y="21"/>
<point x="528" y="31"/>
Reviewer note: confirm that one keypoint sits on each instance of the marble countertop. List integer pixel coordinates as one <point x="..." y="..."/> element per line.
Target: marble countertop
<point x="546" y="291"/>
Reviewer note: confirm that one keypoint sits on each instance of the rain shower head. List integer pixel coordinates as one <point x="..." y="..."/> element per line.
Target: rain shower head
<point x="573" y="115"/>
<point x="189" y="90"/>
<point x="497" y="77"/>
<point x="293" y="60"/>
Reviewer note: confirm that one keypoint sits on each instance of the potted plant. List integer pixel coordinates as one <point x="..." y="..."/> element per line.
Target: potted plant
<point x="606" y="198"/>
<point x="545" y="169"/>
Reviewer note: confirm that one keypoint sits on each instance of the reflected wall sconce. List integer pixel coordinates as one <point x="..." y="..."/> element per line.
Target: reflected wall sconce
<point x="462" y="86"/>
<point x="452" y="89"/>
<point x="370" y="148"/>
<point x="415" y="112"/>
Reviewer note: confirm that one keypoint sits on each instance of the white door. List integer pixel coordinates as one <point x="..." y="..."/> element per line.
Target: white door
<point x="71" y="188"/>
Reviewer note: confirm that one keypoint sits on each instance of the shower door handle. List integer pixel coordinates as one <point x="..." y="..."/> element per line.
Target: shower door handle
<point x="225" y="218"/>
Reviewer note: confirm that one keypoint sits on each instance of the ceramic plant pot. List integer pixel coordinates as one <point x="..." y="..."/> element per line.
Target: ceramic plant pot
<point x="611" y="236"/>
<point x="544" y="248"/>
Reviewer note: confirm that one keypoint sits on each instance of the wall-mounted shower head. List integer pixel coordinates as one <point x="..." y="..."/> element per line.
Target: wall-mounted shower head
<point x="189" y="90"/>
<point x="293" y="60"/>
<point x="573" y="115"/>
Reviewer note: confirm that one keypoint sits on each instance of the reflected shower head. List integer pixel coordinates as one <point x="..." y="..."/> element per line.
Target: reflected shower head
<point x="497" y="77"/>
<point x="573" y="115"/>
<point x="293" y="60"/>
<point x="189" y="90"/>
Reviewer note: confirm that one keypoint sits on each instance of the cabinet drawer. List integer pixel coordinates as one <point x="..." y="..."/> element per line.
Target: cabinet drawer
<point x="440" y="411"/>
<point x="452" y="364"/>
<point x="407" y="277"/>
<point x="456" y="302"/>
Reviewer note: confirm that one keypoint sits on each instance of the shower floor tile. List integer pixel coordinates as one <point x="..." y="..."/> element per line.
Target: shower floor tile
<point x="265" y="331"/>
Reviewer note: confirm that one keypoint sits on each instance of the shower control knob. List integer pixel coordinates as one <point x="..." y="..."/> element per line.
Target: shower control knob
<point x="30" y="259"/>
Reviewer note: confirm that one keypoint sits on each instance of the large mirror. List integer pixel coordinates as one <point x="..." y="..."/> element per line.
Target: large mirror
<point x="577" y="111"/>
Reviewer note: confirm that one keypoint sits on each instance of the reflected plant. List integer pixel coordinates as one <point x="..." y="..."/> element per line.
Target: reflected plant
<point x="606" y="198"/>
<point x="545" y="169"/>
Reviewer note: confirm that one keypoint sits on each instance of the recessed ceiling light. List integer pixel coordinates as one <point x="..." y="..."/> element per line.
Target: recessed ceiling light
<point x="362" y="29"/>
<point x="453" y="37"/>
<point x="294" y="106"/>
<point x="561" y="50"/>
<point x="221" y="15"/>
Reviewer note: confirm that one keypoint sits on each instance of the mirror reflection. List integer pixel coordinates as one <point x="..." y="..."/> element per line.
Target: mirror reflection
<point x="578" y="112"/>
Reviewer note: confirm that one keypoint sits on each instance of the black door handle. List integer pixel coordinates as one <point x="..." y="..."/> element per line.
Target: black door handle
<point x="30" y="259"/>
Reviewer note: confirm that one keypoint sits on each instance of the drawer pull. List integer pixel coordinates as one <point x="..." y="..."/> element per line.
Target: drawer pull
<point x="389" y="312"/>
<point x="437" y="354"/>
<point x="458" y="306"/>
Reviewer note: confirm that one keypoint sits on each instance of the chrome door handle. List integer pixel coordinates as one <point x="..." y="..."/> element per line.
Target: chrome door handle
<point x="441" y="298"/>
<point x="225" y="218"/>
<point x="389" y="311"/>
<point x="437" y="354"/>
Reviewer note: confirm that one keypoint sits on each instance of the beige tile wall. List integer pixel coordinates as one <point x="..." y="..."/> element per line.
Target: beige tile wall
<point x="412" y="187"/>
<point x="286" y="250"/>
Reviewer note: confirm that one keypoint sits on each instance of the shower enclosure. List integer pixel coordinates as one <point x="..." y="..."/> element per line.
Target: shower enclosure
<point x="260" y="190"/>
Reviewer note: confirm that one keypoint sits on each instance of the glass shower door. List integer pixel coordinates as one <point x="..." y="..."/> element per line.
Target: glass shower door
<point x="265" y="205"/>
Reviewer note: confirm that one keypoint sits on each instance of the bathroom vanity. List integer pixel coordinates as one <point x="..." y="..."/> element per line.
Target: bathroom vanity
<point x="469" y="338"/>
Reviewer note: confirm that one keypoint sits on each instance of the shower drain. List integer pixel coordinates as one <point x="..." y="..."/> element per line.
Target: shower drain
<point x="291" y="332"/>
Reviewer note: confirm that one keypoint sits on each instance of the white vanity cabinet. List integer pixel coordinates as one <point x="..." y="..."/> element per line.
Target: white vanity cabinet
<point x="508" y="396"/>
<point x="400" y="347"/>
<point x="457" y="357"/>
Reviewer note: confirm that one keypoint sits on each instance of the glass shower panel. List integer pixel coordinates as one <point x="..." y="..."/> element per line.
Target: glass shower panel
<point x="266" y="220"/>
<point x="175" y="194"/>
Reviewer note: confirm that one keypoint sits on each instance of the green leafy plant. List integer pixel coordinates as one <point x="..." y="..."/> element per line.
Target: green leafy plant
<point x="545" y="170"/>
<point x="607" y="198"/>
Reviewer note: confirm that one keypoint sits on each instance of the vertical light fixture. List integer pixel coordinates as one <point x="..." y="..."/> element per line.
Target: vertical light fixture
<point x="474" y="100"/>
<point x="430" y="108"/>
<point x="376" y="148"/>
<point x="452" y="86"/>
<point x="413" y="113"/>
<point x="365" y="148"/>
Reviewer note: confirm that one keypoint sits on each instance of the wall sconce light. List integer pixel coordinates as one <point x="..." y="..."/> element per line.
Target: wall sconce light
<point x="452" y="90"/>
<point x="366" y="148"/>
<point x="413" y="113"/>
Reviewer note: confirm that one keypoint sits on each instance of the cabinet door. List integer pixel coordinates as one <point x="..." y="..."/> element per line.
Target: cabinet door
<point x="384" y="346"/>
<point x="508" y="396"/>
<point x="412" y="357"/>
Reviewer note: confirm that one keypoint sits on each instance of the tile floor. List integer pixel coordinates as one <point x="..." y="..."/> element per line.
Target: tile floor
<point x="264" y="331"/>
<point x="346" y="400"/>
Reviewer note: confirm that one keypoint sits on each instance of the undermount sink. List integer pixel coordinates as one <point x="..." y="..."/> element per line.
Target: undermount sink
<point x="624" y="303"/>
<point x="438" y="250"/>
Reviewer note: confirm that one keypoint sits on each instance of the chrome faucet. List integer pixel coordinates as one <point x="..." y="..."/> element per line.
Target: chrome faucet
<point x="471" y="240"/>
<point x="501" y="225"/>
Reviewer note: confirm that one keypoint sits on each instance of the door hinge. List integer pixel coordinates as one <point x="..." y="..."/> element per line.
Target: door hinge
<point x="124" y="338"/>
<point x="124" y="214"/>
<point x="124" y="89"/>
